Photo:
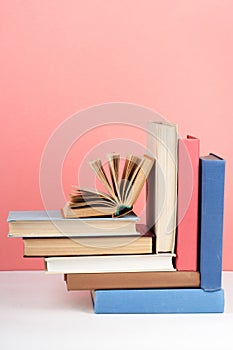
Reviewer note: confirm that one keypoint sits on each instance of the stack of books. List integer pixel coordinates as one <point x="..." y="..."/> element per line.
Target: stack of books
<point x="173" y="264"/>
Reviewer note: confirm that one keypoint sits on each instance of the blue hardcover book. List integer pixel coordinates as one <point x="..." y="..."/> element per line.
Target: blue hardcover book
<point x="212" y="176"/>
<point x="157" y="301"/>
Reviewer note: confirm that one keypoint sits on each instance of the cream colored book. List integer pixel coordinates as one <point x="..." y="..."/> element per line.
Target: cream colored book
<point x="162" y="143"/>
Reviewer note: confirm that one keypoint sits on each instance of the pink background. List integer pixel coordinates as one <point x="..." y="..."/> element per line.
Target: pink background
<point x="59" y="57"/>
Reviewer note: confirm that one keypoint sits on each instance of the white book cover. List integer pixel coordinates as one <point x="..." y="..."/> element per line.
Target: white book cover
<point x="110" y="263"/>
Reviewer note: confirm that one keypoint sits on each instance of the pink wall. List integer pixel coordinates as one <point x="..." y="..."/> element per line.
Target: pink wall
<point x="58" y="57"/>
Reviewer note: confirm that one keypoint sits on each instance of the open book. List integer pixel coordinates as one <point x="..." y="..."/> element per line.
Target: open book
<point x="122" y="191"/>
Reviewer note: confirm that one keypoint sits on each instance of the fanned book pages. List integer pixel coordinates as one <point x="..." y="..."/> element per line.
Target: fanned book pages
<point x="161" y="211"/>
<point x="122" y="192"/>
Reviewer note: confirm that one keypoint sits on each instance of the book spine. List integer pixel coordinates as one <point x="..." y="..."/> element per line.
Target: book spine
<point x="123" y="280"/>
<point x="109" y="263"/>
<point x="187" y="229"/>
<point x="45" y="247"/>
<point x="161" y="207"/>
<point x="212" y="174"/>
<point x="161" y="301"/>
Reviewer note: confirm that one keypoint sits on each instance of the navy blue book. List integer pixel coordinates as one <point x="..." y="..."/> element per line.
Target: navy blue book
<point x="212" y="176"/>
<point x="157" y="301"/>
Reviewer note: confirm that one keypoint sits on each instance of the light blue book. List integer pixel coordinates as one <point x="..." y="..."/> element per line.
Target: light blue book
<point x="157" y="301"/>
<point x="56" y="215"/>
<point x="212" y="176"/>
<point x="42" y="223"/>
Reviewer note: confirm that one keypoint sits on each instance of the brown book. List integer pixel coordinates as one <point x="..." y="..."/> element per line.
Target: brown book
<point x="122" y="191"/>
<point x="141" y="244"/>
<point x="128" y="280"/>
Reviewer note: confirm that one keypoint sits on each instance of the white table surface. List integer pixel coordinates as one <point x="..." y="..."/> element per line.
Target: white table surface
<point x="37" y="312"/>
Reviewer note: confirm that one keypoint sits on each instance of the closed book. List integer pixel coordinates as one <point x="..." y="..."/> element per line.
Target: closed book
<point x="158" y="301"/>
<point x="125" y="280"/>
<point x="161" y="208"/>
<point x="51" y="223"/>
<point x="110" y="263"/>
<point x="142" y="244"/>
<point x="187" y="208"/>
<point x="212" y="173"/>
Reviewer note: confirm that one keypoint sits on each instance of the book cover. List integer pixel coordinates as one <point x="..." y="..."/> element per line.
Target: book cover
<point x="73" y="246"/>
<point x="212" y="178"/>
<point x="47" y="223"/>
<point x="187" y="208"/>
<point x="110" y="263"/>
<point x="128" y="280"/>
<point x="157" y="301"/>
<point x="161" y="209"/>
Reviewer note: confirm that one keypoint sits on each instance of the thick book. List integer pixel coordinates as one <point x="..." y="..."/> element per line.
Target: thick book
<point x="110" y="263"/>
<point x="50" y="223"/>
<point x="158" y="301"/>
<point x="127" y="280"/>
<point x="161" y="210"/>
<point x="187" y="208"/>
<point x="212" y="174"/>
<point x="122" y="189"/>
<point x="70" y="246"/>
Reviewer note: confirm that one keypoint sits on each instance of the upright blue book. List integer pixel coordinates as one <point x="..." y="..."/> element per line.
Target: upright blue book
<point x="157" y="301"/>
<point x="212" y="176"/>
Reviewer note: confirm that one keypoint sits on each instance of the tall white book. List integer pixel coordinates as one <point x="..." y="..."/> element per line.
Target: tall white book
<point x="162" y="141"/>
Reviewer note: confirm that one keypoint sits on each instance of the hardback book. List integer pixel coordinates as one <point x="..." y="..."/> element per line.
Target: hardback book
<point x="50" y="223"/>
<point x="161" y="210"/>
<point x="128" y="280"/>
<point x="212" y="178"/>
<point x="187" y="208"/>
<point x="122" y="189"/>
<point x="75" y="246"/>
<point x="157" y="301"/>
<point x="110" y="263"/>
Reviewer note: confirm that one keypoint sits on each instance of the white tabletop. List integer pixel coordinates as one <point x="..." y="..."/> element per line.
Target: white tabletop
<point x="36" y="312"/>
